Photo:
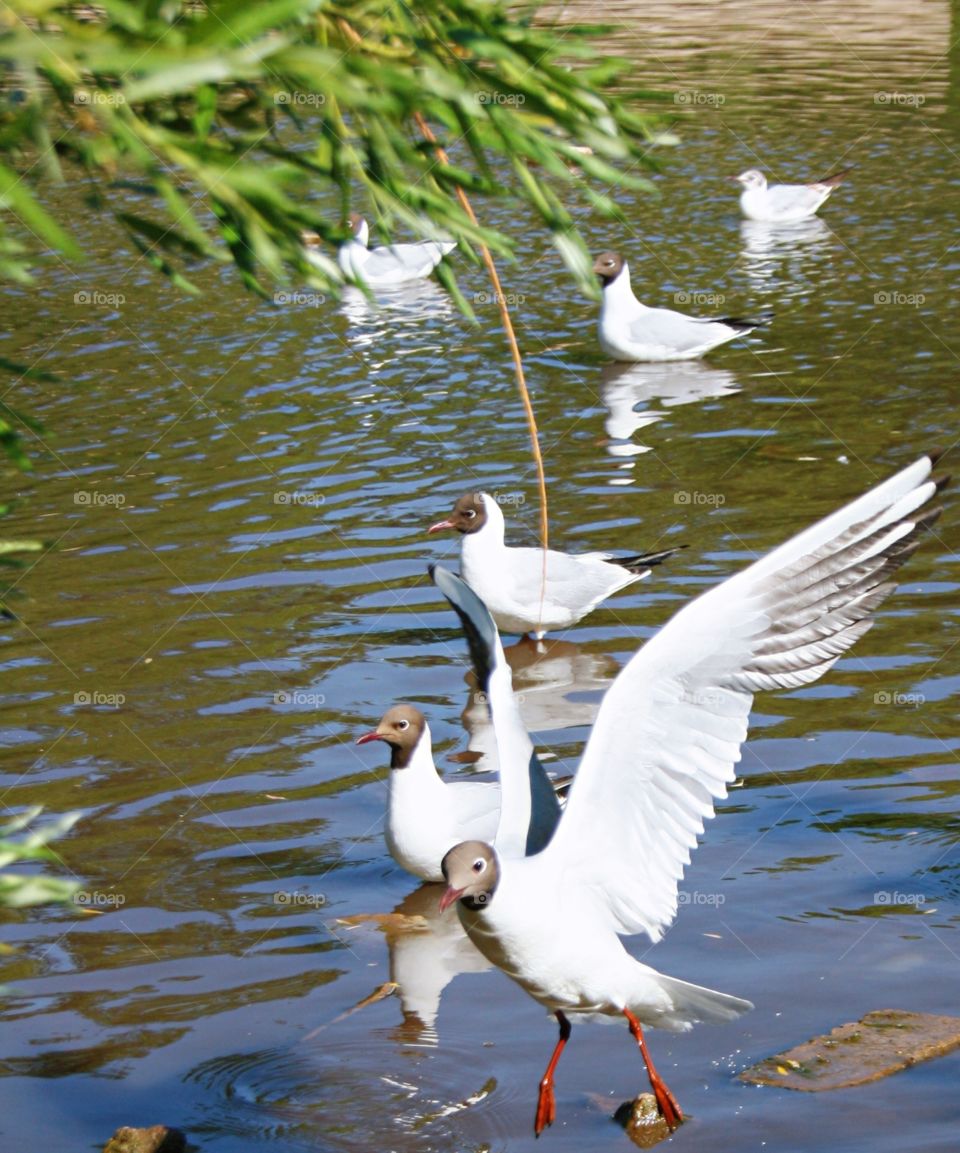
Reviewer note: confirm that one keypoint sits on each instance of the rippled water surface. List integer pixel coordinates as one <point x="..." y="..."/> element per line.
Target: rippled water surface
<point x="238" y="496"/>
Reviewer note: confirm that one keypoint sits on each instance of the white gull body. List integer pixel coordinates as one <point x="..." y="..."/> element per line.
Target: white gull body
<point x="783" y="203"/>
<point x="510" y="581"/>
<point x="663" y="751"/>
<point x="629" y="330"/>
<point x="388" y="266"/>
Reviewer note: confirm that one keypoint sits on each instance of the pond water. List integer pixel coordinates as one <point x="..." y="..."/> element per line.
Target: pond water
<point x="238" y="496"/>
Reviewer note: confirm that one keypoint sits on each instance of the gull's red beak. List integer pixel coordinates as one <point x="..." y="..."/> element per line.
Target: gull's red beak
<point x="441" y="524"/>
<point x="368" y="737"/>
<point x="449" y="897"/>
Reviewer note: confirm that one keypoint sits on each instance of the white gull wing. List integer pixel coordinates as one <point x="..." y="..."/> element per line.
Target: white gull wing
<point x="397" y="264"/>
<point x="575" y="583"/>
<point x="529" y="809"/>
<point x="796" y="199"/>
<point x="669" y="730"/>
<point x="665" y="328"/>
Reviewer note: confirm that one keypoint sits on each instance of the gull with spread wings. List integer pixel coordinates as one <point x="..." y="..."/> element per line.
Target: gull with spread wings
<point x="663" y="751"/>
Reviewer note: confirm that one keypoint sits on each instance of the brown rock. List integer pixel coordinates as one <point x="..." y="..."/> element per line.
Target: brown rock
<point x="642" y="1121"/>
<point x="156" y="1139"/>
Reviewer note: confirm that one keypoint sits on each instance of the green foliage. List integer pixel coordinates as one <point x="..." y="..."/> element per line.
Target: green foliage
<point x="13" y="424"/>
<point x="239" y="115"/>
<point x="19" y="890"/>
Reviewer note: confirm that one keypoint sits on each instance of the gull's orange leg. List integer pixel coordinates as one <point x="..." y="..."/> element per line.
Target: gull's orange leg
<point x="666" y="1102"/>
<point x="546" y="1106"/>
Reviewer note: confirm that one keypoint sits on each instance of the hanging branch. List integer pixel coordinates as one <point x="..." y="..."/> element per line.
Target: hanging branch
<point x="514" y="353"/>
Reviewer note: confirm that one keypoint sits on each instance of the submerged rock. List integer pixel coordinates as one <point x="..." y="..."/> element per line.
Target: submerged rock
<point x="156" y="1139"/>
<point x="881" y="1043"/>
<point x="642" y="1121"/>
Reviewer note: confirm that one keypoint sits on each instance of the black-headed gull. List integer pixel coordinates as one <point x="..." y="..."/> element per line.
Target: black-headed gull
<point x="783" y="203"/>
<point x="426" y="815"/>
<point x="509" y="580"/>
<point x="662" y="752"/>
<point x="630" y="330"/>
<point x="388" y="266"/>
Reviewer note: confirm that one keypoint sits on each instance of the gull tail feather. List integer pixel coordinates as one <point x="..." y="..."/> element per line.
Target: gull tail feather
<point x="644" y="560"/>
<point x="741" y="324"/>
<point x="695" y="1004"/>
<point x="836" y="178"/>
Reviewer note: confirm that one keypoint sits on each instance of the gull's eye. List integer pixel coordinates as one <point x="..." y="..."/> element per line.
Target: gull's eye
<point x="470" y="513"/>
<point x="403" y="725"/>
<point x="479" y="865"/>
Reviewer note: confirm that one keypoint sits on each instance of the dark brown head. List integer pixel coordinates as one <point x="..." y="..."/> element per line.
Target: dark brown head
<point x="472" y="873"/>
<point x="752" y="178"/>
<point x="608" y="267"/>
<point x="401" y="728"/>
<point x="469" y="514"/>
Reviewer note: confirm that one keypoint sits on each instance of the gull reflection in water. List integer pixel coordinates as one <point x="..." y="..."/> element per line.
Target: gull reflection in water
<point x="547" y="675"/>
<point x="427" y="950"/>
<point x="407" y="306"/>
<point x="780" y="257"/>
<point x="629" y="391"/>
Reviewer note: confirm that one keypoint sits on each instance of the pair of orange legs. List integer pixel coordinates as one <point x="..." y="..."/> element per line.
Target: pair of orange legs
<point x="546" y="1104"/>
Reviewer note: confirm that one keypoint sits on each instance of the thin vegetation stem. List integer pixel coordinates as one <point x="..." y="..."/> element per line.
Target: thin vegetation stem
<point x="514" y="353"/>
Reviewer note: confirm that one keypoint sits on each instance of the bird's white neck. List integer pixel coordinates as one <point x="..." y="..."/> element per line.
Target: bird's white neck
<point x="420" y="771"/>
<point x="421" y="823"/>
<point x="618" y="295"/>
